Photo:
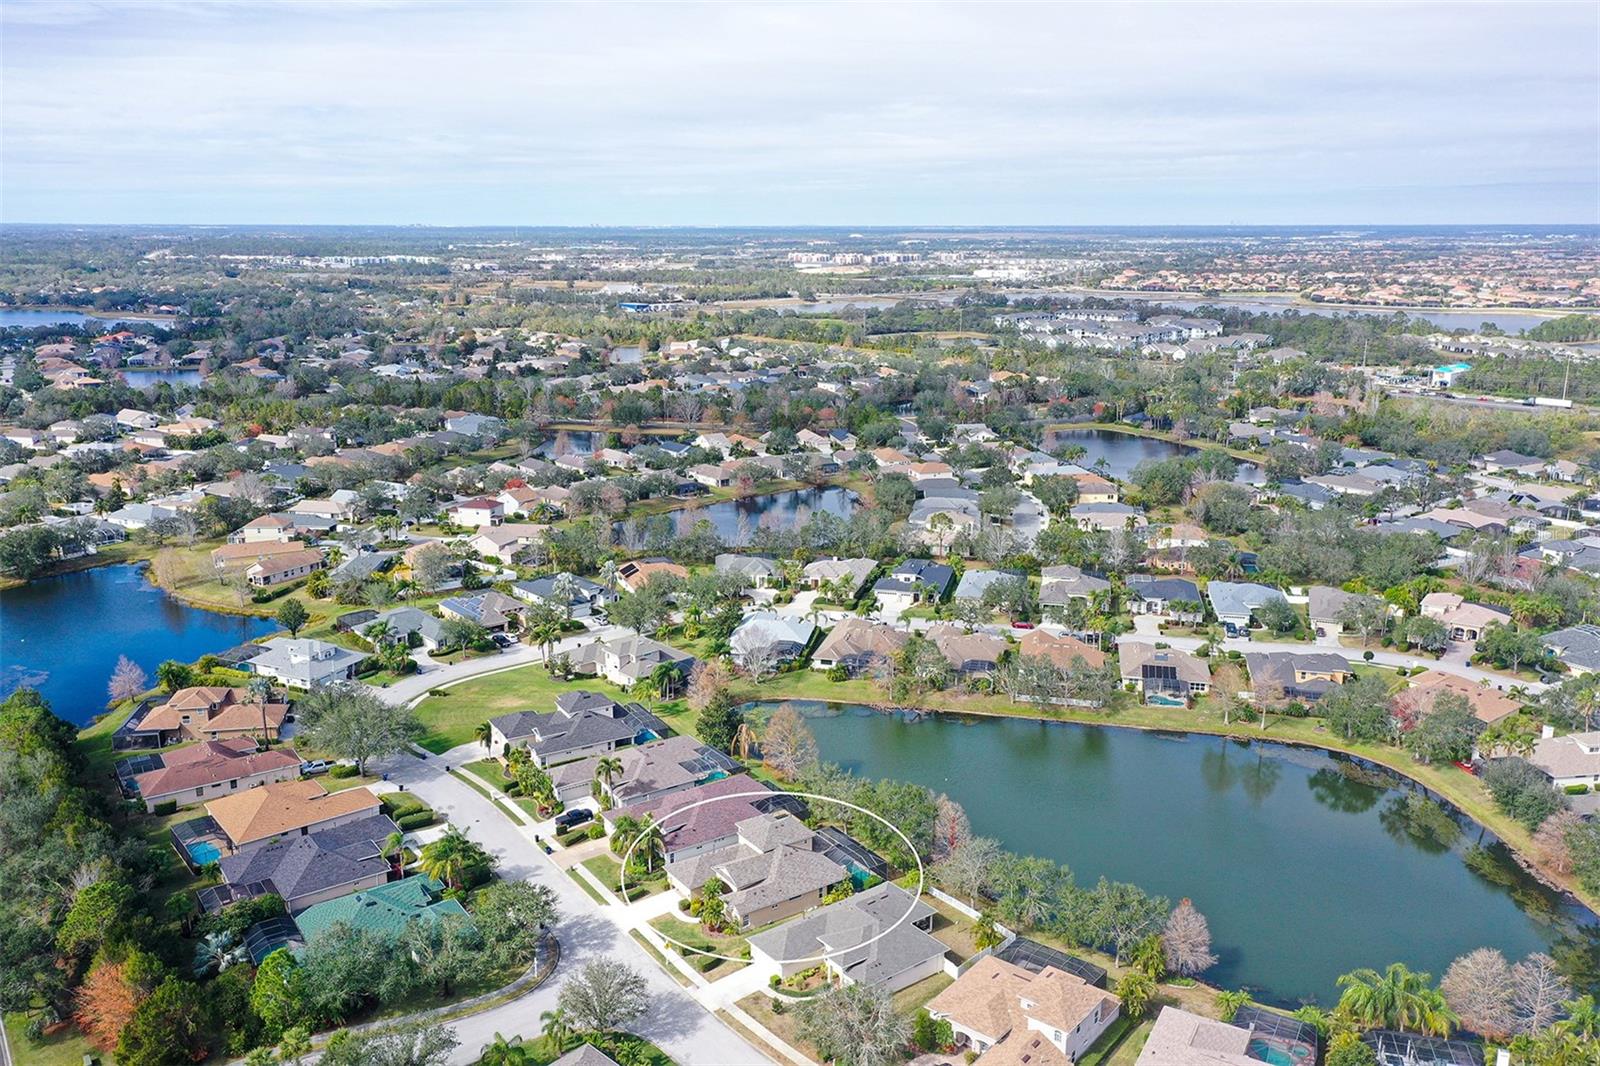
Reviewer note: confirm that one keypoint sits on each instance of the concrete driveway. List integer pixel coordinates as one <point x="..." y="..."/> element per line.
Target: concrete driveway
<point x="676" y="1022"/>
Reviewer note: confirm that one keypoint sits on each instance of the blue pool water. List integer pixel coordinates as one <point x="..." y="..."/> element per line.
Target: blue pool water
<point x="204" y="853"/>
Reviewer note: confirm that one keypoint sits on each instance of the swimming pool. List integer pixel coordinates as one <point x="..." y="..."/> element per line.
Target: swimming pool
<point x="204" y="853"/>
<point x="1266" y="1051"/>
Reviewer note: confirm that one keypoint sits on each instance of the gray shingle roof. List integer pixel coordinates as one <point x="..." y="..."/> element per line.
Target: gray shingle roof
<point x="847" y="927"/>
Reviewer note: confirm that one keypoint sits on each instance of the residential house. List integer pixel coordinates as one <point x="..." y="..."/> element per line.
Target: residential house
<point x="305" y="663"/>
<point x="1488" y="704"/>
<point x="691" y="826"/>
<point x="626" y="661"/>
<point x="237" y="558"/>
<point x="1154" y="594"/>
<point x="576" y="597"/>
<point x="306" y="870"/>
<point x="1064" y="652"/>
<point x="1236" y="602"/>
<point x="1327" y="605"/>
<point x="490" y="609"/>
<point x="1568" y="760"/>
<point x="477" y="512"/>
<point x="857" y="645"/>
<point x="506" y="543"/>
<point x="758" y="571"/>
<point x="1302" y="676"/>
<point x="1011" y="1015"/>
<point x="283" y="568"/>
<point x="257" y="816"/>
<point x="1465" y="621"/>
<point x="879" y="938"/>
<point x="1506" y="461"/>
<point x="268" y="528"/>
<point x="414" y="627"/>
<point x="974" y="583"/>
<point x="649" y="771"/>
<point x="775" y="869"/>
<point x="211" y="713"/>
<point x="712" y="475"/>
<point x="1577" y="647"/>
<point x="636" y="573"/>
<point x="1092" y="488"/>
<point x="969" y="654"/>
<point x="1163" y="675"/>
<point x="1106" y="516"/>
<point x="189" y="776"/>
<point x="853" y="573"/>
<point x="1060" y="585"/>
<point x="912" y="582"/>
<point x="385" y="910"/>
<point x="1179" y="1038"/>
<point x="583" y="723"/>
<point x="765" y="633"/>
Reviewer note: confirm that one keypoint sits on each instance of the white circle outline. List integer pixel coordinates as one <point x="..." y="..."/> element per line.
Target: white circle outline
<point x="922" y="880"/>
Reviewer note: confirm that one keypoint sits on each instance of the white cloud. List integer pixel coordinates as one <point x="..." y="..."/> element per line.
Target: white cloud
<point x="773" y="113"/>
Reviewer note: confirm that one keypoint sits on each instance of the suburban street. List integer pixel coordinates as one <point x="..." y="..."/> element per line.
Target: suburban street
<point x="676" y="1021"/>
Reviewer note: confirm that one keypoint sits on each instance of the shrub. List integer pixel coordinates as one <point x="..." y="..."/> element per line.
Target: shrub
<point x="596" y="831"/>
<point x="1577" y="790"/>
<point x="341" y="770"/>
<point x="838" y="673"/>
<point x="415" y="820"/>
<point x="166" y="807"/>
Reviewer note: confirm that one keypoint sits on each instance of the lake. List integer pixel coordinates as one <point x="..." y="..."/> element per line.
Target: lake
<point x="737" y="520"/>
<point x="29" y="318"/>
<point x="62" y="635"/>
<point x="1298" y="859"/>
<point x="150" y="377"/>
<point x="1124" y="451"/>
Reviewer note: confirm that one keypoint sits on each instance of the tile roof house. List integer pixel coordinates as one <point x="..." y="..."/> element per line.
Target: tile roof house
<point x="583" y="723"/>
<point x="636" y="573"/>
<point x="385" y="910"/>
<point x="306" y="870"/>
<point x="306" y="663"/>
<point x="236" y="558"/>
<point x="968" y="653"/>
<point x="506" y="542"/>
<point x="254" y="817"/>
<point x="703" y="827"/>
<point x="478" y="511"/>
<point x="1012" y="1015"/>
<point x="774" y="870"/>
<point x="1488" y="704"/>
<point x="1163" y="674"/>
<point x="857" y="645"/>
<point x="864" y="938"/>
<point x="288" y="566"/>
<point x="186" y="775"/>
<point x="831" y="571"/>
<point x="1064" y="651"/>
<point x="764" y="632"/>
<point x="1325" y="605"/>
<point x="1179" y="1038"/>
<point x="1465" y="621"/>
<point x="212" y="713"/>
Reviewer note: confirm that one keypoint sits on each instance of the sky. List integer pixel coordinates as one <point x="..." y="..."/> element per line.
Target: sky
<point x="799" y="114"/>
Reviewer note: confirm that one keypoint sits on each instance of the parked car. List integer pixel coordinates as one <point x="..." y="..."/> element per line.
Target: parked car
<point x="568" y="820"/>
<point x="315" y="766"/>
<point x="501" y="640"/>
<point x="1021" y="625"/>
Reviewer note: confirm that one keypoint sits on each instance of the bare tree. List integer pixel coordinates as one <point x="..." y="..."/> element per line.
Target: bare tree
<point x="951" y="827"/>
<point x="969" y="870"/>
<point x="127" y="680"/>
<point x="1551" y="840"/>
<point x="1186" y="941"/>
<point x="1537" y="993"/>
<point x="708" y="681"/>
<point x="1477" y="986"/>
<point x="759" y="660"/>
<point x="787" y="744"/>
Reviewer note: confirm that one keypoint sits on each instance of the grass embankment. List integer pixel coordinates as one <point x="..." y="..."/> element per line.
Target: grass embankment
<point x="128" y="551"/>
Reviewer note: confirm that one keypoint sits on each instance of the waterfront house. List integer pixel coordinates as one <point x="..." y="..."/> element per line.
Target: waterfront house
<point x="212" y="712"/>
<point x="626" y="661"/>
<point x="1011" y="1015"/>
<point x="764" y="633"/>
<point x="649" y="771"/>
<point x="1304" y="676"/>
<point x="691" y="825"/>
<point x="775" y="869"/>
<point x="1568" y="760"/>
<point x="857" y="645"/>
<point x="1488" y="704"/>
<point x="1179" y="1038"/>
<point x="969" y="654"/>
<point x="283" y="568"/>
<point x="1163" y="675"/>
<point x="237" y="558"/>
<point x="1065" y="652"/>
<point x="305" y="663"/>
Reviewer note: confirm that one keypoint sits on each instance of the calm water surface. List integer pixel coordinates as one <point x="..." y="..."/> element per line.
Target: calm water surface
<point x="736" y="521"/>
<point x="62" y="635"/>
<point x="1302" y="863"/>
<point x="1124" y="451"/>
<point x="147" y="378"/>
<point x="29" y="318"/>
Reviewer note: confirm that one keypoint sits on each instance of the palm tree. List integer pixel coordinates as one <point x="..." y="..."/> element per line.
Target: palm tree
<point x="451" y="856"/>
<point x="744" y="741"/>
<point x="564" y="587"/>
<point x="503" y="1052"/>
<point x="556" y="1028"/>
<point x="1583" y="1018"/>
<point x="394" y="850"/>
<point x="665" y="678"/>
<point x="544" y="630"/>
<point x="645" y="832"/>
<point x="608" y="574"/>
<point x="1395" y="999"/>
<point x="483" y="732"/>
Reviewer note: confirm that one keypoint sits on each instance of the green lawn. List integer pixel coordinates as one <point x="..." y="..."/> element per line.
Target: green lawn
<point x="661" y="960"/>
<point x="452" y="714"/>
<point x="590" y="890"/>
<point x="697" y="936"/>
<point x="608" y="871"/>
<point x="913" y="998"/>
<point x="66" y="1048"/>
<point x="491" y="771"/>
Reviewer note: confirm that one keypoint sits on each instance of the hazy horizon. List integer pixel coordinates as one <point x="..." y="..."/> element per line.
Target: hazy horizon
<point x="800" y="115"/>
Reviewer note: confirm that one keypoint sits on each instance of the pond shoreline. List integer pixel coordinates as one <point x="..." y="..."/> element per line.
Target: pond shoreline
<point x="1572" y="894"/>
